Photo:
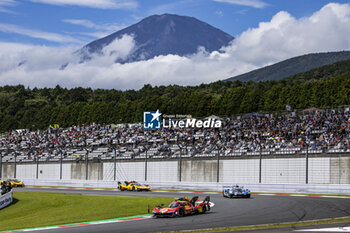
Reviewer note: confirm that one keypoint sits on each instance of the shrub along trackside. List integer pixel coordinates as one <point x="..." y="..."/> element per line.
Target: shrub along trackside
<point x="35" y="209"/>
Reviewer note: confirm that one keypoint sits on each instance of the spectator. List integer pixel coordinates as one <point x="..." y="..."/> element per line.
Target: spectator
<point x="3" y="187"/>
<point x="320" y="130"/>
<point x="8" y="187"/>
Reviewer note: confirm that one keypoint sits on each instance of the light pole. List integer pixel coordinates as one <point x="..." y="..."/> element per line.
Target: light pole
<point x="260" y="162"/>
<point x="37" y="165"/>
<point x="307" y="164"/>
<point x="87" y="164"/>
<point x="146" y="157"/>
<point x="15" y="165"/>
<point x="115" y="163"/>
<point x="218" y="164"/>
<point x="61" y="163"/>
<point x="1" y="165"/>
<point x="180" y="161"/>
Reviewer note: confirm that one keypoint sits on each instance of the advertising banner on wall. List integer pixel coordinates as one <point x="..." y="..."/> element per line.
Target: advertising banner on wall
<point x="6" y="199"/>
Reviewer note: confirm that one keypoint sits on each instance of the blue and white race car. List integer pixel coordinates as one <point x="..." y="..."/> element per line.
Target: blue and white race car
<point x="235" y="191"/>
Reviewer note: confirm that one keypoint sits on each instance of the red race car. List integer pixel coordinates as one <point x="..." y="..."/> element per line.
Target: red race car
<point x="182" y="207"/>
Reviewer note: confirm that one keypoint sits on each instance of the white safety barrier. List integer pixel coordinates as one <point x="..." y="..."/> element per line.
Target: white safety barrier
<point x="6" y="199"/>
<point x="276" y="188"/>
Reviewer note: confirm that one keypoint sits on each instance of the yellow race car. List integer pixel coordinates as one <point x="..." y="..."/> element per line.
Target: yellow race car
<point x="14" y="182"/>
<point x="133" y="186"/>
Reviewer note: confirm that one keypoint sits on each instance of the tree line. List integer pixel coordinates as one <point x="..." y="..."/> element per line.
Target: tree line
<point x="37" y="108"/>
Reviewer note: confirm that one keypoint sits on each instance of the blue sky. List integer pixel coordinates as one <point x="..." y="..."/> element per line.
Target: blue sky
<point x="38" y="36"/>
<point x="57" y="22"/>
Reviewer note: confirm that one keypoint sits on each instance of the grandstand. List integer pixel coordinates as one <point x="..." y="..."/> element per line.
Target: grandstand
<point x="317" y="132"/>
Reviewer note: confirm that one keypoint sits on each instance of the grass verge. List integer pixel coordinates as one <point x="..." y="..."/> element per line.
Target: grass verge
<point x="37" y="209"/>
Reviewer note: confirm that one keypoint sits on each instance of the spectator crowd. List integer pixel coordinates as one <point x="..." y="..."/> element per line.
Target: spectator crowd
<point x="317" y="130"/>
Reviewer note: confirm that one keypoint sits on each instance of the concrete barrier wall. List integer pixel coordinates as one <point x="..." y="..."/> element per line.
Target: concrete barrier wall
<point x="8" y="170"/>
<point x="26" y="171"/>
<point x="162" y="171"/>
<point x="124" y="171"/>
<point x="340" y="170"/>
<point x="45" y="171"/>
<point x="240" y="171"/>
<point x="78" y="171"/>
<point x="322" y="170"/>
<point x="49" y="171"/>
<point x="283" y="171"/>
<point x="199" y="171"/>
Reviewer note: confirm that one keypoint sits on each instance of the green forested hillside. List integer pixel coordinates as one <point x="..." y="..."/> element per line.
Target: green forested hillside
<point x="328" y="71"/>
<point x="292" y="66"/>
<point x="21" y="107"/>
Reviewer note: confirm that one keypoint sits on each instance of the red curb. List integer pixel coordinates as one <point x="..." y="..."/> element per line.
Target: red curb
<point x="311" y="195"/>
<point x="83" y="224"/>
<point x="128" y="219"/>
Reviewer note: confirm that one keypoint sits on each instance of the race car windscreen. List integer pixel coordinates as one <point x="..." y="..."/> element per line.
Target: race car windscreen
<point x="174" y="205"/>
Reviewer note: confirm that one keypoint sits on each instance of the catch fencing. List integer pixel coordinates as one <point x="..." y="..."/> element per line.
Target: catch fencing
<point x="292" y="167"/>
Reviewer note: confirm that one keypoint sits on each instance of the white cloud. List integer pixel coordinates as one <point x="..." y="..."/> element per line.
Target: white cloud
<point x="54" y="37"/>
<point x="96" y="35"/>
<point x="100" y="4"/>
<point x="250" y="3"/>
<point x="7" y="3"/>
<point x="282" y="37"/>
<point x="90" y="24"/>
<point x="103" y="29"/>
<point x="120" y="48"/>
<point x="285" y="36"/>
<point x="219" y="13"/>
<point x="173" y="6"/>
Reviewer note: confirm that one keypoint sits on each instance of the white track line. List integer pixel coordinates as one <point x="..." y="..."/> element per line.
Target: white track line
<point x="331" y="229"/>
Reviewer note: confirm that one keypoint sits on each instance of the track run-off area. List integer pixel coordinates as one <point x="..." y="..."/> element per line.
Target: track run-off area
<point x="263" y="212"/>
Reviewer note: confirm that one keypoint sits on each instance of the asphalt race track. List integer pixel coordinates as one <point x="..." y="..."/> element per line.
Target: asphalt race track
<point x="225" y="213"/>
